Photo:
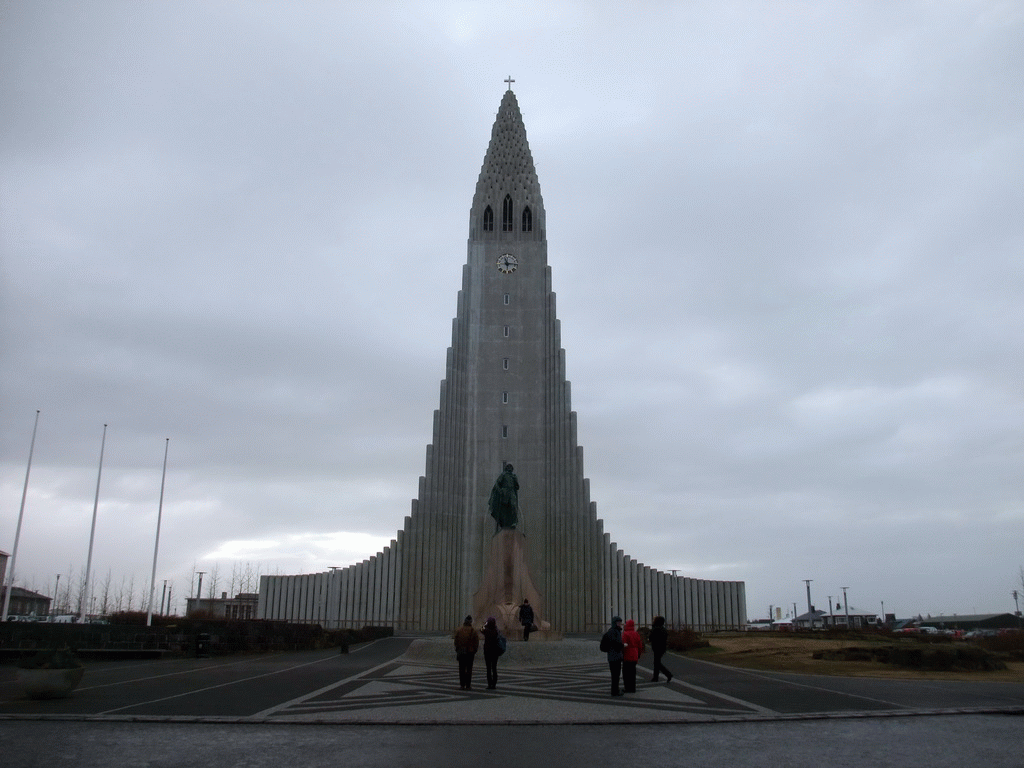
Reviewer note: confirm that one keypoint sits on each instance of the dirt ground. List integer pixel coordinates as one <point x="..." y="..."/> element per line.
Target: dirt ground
<point x="793" y="653"/>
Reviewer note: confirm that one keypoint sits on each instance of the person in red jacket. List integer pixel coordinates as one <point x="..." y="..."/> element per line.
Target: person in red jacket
<point x="632" y="648"/>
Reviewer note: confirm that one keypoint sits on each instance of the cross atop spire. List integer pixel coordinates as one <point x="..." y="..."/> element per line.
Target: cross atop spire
<point x="509" y="80"/>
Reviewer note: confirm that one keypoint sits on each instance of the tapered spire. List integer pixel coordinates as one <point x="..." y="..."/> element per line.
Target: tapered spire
<point x="508" y="171"/>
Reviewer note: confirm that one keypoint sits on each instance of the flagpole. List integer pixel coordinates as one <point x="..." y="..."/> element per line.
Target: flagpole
<point x="17" y="533"/>
<point x="86" y="591"/>
<point x="156" y="545"/>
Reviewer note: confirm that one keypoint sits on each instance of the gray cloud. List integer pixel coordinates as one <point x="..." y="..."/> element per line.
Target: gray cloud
<point x="785" y="240"/>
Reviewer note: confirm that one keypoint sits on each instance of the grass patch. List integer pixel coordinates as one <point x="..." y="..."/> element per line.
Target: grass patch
<point x="858" y="655"/>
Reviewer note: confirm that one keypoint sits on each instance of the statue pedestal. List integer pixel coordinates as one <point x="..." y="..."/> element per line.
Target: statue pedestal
<point x="506" y="583"/>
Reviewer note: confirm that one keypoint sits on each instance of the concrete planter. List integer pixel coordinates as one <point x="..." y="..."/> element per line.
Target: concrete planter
<point x="49" y="683"/>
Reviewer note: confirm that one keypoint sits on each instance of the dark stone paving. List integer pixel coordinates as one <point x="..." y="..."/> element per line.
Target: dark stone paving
<point x="397" y="681"/>
<point x="380" y="706"/>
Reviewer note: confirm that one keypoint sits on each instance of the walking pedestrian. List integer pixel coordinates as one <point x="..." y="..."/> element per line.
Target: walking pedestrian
<point x="526" y="618"/>
<point x="467" y="641"/>
<point x="492" y="650"/>
<point x="659" y="644"/>
<point x="611" y="644"/>
<point x="632" y="649"/>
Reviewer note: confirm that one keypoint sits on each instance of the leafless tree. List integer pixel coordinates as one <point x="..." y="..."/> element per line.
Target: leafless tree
<point x="250" y="580"/>
<point x="214" y="580"/>
<point x="236" y="577"/>
<point x="63" y="596"/>
<point x="245" y="578"/>
<point x="105" y="595"/>
<point x="131" y="591"/>
<point x="119" y="597"/>
<point x="81" y="590"/>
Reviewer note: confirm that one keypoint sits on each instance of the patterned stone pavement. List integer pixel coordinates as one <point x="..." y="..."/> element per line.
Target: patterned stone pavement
<point x="423" y="688"/>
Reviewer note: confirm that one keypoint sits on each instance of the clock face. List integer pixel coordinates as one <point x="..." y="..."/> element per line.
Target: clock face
<point x="507" y="263"/>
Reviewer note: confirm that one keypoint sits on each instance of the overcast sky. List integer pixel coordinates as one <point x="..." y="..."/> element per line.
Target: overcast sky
<point x="786" y="241"/>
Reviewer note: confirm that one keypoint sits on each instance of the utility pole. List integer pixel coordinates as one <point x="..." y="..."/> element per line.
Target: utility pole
<point x="846" y="607"/>
<point x="808" y="583"/>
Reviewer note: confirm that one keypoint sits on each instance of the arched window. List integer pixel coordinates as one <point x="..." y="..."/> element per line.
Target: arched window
<point x="488" y="219"/>
<point x="506" y="214"/>
<point x="527" y="220"/>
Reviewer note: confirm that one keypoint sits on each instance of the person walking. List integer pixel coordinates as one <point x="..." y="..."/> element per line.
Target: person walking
<point x="611" y="644"/>
<point x="492" y="650"/>
<point x="526" y="618"/>
<point x="467" y="641"/>
<point x="659" y="644"/>
<point x="632" y="649"/>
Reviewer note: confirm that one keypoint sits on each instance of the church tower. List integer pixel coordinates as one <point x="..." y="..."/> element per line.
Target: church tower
<point x="504" y="399"/>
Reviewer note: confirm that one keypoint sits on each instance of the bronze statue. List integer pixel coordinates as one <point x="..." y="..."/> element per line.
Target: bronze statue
<point x="504" y="501"/>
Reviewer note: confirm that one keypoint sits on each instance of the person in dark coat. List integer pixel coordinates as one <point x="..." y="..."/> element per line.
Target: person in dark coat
<point x="467" y="641"/>
<point x="526" y="618"/>
<point x="659" y="643"/>
<point x="611" y="643"/>
<point x="632" y="650"/>
<point x="491" y="651"/>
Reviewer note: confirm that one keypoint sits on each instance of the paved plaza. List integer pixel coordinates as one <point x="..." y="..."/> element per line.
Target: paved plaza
<point x="396" y="696"/>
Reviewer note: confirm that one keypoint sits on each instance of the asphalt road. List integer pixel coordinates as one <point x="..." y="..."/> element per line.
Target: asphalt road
<point x="966" y="741"/>
<point x="218" y="687"/>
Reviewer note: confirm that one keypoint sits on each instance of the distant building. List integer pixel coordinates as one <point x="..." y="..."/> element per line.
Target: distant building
<point x="972" y="621"/>
<point x="840" y="618"/>
<point x="242" y="606"/>
<point x="25" y="602"/>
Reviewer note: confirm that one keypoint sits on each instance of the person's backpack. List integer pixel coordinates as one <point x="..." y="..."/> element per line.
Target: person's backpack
<point x="502" y="644"/>
<point x="605" y="644"/>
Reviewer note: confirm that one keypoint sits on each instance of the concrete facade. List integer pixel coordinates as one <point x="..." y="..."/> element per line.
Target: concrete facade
<point x="505" y="398"/>
<point x="242" y="606"/>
